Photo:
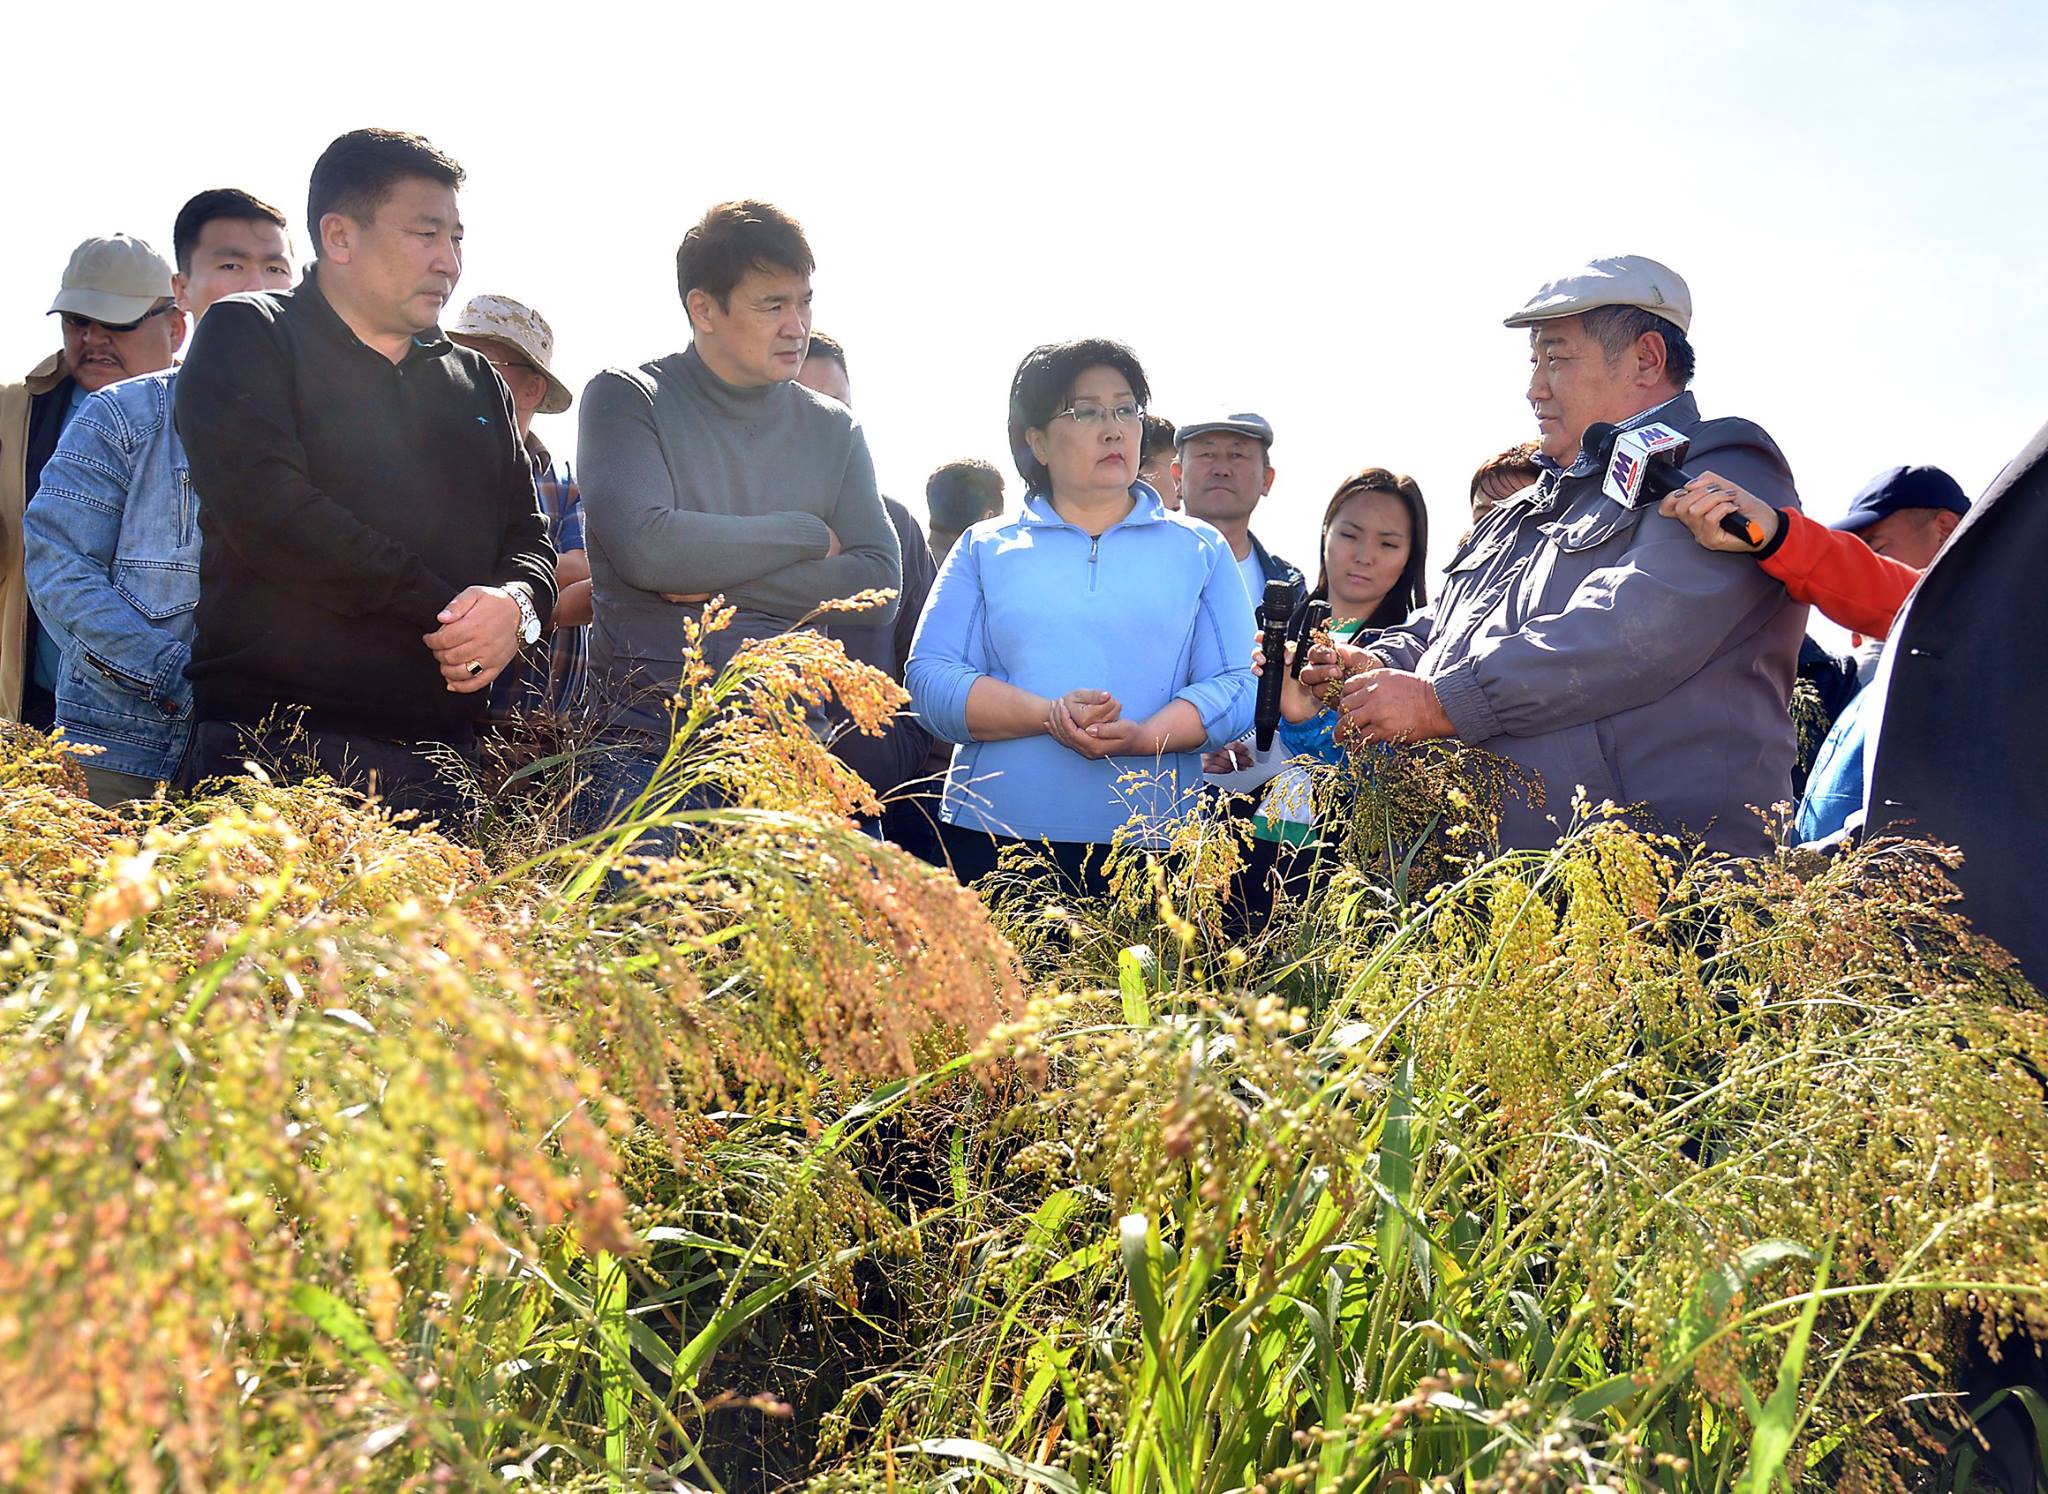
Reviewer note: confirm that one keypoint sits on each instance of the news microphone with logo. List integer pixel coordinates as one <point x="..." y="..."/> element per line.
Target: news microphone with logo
<point x="1642" y="466"/>
<point x="1274" y="613"/>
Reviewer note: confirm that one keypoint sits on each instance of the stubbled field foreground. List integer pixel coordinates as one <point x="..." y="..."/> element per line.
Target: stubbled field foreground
<point x="339" y="1156"/>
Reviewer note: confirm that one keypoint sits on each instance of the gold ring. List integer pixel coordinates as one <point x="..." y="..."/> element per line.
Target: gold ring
<point x="475" y="667"/>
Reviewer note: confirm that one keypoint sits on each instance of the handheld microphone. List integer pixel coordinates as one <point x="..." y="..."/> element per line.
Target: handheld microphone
<point x="1314" y="618"/>
<point x="1274" y="613"/>
<point x="1641" y="466"/>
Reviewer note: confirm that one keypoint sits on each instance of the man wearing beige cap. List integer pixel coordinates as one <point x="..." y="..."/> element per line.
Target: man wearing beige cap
<point x="119" y="321"/>
<point x="520" y="346"/>
<point x="113" y="532"/>
<point x="1592" y="642"/>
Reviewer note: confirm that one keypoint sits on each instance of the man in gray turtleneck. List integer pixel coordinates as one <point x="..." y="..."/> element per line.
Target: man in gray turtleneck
<point x="711" y="471"/>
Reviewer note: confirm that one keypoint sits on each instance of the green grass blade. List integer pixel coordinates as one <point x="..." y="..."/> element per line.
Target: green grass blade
<point x="1775" y="1423"/>
<point x="1135" y="970"/>
<point x="614" y="1364"/>
<point x="967" y="1450"/>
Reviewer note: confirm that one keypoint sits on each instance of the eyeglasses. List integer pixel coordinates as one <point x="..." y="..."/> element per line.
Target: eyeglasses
<point x="76" y="323"/>
<point x="511" y="363"/>
<point x="1090" y="417"/>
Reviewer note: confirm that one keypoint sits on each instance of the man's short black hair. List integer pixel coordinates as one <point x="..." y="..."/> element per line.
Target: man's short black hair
<point x="1160" y="435"/>
<point x="962" y="492"/>
<point x="211" y="206"/>
<point x="828" y="348"/>
<point x="1044" y="386"/>
<point x="1616" y="329"/>
<point x="732" y="239"/>
<point x="354" y="176"/>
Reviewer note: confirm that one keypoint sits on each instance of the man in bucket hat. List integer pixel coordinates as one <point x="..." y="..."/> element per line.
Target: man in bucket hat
<point x="1591" y="641"/>
<point x="119" y="320"/>
<point x="520" y="346"/>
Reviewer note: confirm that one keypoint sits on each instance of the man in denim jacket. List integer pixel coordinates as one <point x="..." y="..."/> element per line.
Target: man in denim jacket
<point x="113" y="535"/>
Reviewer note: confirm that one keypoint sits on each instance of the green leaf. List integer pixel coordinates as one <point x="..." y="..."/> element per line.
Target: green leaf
<point x="956" y="1167"/>
<point x="1719" y="1287"/>
<point x="1964" y="1458"/>
<point x="1775" y="1423"/>
<point x="1609" y="1393"/>
<point x="1086" y="1258"/>
<point x="340" y="1322"/>
<point x="1145" y="1269"/>
<point x="1136" y="969"/>
<point x="615" y="1365"/>
<point x="1397" y="1169"/>
<point x="966" y="1450"/>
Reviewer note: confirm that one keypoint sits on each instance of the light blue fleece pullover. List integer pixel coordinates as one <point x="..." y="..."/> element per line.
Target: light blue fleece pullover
<point x="1152" y="611"/>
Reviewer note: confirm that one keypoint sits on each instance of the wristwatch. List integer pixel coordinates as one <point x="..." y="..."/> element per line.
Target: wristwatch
<point x="529" y="620"/>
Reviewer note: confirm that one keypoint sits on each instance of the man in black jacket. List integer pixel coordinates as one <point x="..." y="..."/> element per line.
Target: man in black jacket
<point x="373" y="551"/>
<point x="1954" y="756"/>
<point x="1954" y="761"/>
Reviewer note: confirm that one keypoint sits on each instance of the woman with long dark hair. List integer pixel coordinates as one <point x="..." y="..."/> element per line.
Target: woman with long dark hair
<point x="1374" y="548"/>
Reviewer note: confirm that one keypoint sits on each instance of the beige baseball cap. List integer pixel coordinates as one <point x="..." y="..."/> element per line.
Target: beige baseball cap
<point x="500" y="319"/>
<point x="114" y="280"/>
<point x="1625" y="280"/>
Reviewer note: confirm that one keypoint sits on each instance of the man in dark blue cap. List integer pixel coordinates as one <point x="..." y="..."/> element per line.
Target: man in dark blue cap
<point x="1907" y="513"/>
<point x="1904" y="514"/>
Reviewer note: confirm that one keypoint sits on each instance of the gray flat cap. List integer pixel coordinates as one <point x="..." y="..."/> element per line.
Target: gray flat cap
<point x="1244" y="424"/>
<point x="1625" y="280"/>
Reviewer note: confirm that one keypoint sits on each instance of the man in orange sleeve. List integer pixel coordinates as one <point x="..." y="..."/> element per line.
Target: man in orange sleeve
<point x="1859" y="574"/>
<point x="1839" y="570"/>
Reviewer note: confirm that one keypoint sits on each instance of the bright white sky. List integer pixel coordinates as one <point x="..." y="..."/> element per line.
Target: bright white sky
<point x="1317" y="212"/>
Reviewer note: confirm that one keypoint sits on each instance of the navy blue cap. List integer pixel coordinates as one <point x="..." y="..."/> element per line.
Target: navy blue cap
<point x="1903" y="487"/>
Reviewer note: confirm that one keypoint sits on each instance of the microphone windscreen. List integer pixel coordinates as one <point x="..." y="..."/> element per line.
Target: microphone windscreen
<point x="1279" y="603"/>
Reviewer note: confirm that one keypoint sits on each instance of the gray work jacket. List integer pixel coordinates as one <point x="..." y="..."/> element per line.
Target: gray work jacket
<point x="1604" y="648"/>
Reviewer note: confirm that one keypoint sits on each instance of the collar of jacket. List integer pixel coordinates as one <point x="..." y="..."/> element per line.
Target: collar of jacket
<point x="1681" y="412"/>
<point x="47" y="375"/>
<point x="312" y="303"/>
<point x="1146" y="508"/>
<point x="1277" y="568"/>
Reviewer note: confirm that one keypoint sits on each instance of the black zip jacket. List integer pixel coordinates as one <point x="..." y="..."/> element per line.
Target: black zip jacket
<point x="344" y="501"/>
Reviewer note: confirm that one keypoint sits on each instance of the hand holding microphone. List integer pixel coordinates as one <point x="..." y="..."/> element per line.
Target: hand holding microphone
<point x="1274" y="614"/>
<point x="1641" y="467"/>
<point x="1708" y="503"/>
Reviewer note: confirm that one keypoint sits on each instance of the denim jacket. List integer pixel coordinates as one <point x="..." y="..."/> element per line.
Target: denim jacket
<point x="112" y="539"/>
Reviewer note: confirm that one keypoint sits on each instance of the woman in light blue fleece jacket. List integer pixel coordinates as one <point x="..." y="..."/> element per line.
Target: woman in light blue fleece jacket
<point x="1085" y="652"/>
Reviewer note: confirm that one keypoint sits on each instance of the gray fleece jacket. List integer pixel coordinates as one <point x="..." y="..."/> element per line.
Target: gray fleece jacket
<point x="692" y="485"/>
<point x="1602" y="647"/>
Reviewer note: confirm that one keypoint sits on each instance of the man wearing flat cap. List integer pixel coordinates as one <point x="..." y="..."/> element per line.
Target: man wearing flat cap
<point x="1597" y="644"/>
<point x="1223" y="468"/>
<point x="119" y="321"/>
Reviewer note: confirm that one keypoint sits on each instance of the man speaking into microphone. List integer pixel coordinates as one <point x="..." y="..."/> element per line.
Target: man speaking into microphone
<point x="1591" y="639"/>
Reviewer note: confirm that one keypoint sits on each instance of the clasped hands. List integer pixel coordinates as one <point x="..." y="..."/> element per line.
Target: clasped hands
<point x="478" y="637"/>
<point x="1378" y="704"/>
<point x="1091" y="723"/>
